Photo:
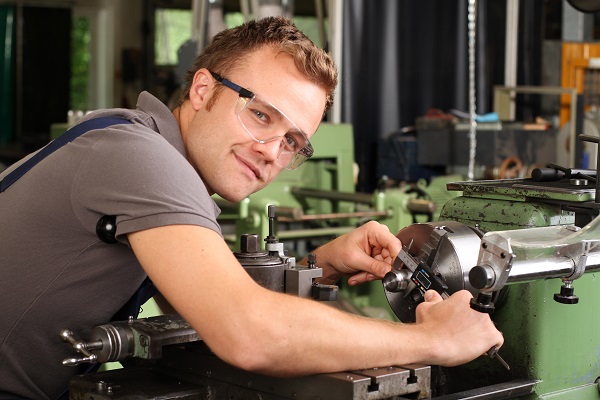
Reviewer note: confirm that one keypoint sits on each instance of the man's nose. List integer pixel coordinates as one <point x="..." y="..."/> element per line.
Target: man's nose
<point x="270" y="150"/>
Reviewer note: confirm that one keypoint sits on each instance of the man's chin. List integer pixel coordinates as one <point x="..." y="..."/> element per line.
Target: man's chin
<point x="236" y="196"/>
<point x="238" y="191"/>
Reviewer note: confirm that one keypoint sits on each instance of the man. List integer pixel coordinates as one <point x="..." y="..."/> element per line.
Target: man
<point x="251" y="103"/>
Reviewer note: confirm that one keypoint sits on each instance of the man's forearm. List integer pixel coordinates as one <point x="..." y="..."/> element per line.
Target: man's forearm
<point x="299" y="336"/>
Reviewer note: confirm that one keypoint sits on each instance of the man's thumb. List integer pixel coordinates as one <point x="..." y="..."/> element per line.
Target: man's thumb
<point x="431" y="296"/>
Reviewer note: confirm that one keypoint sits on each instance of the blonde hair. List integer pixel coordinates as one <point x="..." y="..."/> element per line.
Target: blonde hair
<point x="230" y="46"/>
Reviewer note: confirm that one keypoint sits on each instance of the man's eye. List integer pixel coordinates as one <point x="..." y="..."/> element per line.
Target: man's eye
<point x="260" y="115"/>
<point x="291" y="143"/>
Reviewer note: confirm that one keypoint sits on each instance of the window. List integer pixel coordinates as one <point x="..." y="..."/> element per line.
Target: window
<point x="80" y="64"/>
<point x="173" y="28"/>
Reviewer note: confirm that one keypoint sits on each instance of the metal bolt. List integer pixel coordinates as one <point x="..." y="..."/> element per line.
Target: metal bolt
<point x="101" y="386"/>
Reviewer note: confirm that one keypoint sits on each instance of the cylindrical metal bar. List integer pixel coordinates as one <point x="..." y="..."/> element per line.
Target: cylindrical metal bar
<point x="289" y="213"/>
<point x="313" y="233"/>
<point x="421" y="206"/>
<point x="366" y="198"/>
<point x="315" y="217"/>
<point x="530" y="270"/>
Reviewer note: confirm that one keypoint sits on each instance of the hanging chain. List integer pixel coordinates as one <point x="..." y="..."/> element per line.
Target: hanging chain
<point x="472" y="104"/>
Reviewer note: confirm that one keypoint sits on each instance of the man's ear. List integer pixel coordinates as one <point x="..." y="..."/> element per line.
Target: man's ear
<point x="201" y="88"/>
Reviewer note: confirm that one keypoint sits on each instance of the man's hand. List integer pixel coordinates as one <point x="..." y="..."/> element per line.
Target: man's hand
<point x="457" y="333"/>
<point x="365" y="254"/>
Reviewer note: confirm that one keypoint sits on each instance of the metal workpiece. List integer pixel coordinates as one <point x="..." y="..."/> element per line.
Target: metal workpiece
<point x="421" y="206"/>
<point x="141" y="338"/>
<point x="397" y="280"/>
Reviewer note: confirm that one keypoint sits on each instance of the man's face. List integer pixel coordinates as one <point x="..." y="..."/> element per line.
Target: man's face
<point x="231" y="163"/>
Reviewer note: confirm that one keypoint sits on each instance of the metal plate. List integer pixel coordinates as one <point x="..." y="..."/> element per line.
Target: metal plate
<point x="195" y="373"/>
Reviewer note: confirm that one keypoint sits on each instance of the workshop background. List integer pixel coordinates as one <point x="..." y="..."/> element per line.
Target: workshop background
<point x="399" y="60"/>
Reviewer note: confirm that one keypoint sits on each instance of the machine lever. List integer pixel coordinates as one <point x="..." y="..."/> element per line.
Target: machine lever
<point x="82" y="347"/>
<point x="493" y="353"/>
<point x="71" y="362"/>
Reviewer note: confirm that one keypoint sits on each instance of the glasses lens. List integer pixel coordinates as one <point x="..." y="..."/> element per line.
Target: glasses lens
<point x="265" y="123"/>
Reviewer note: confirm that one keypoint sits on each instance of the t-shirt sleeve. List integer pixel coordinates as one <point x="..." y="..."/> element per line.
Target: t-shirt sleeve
<point x="137" y="176"/>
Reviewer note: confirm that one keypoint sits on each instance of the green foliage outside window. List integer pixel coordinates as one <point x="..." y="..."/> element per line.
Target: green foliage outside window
<point x="174" y="27"/>
<point x="80" y="63"/>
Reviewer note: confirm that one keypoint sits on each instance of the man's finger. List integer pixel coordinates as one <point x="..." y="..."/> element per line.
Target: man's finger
<point x="431" y="296"/>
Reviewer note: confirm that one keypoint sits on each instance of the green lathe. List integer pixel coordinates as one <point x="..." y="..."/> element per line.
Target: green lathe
<point x="516" y="245"/>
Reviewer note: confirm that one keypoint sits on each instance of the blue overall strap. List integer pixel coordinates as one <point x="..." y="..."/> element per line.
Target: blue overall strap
<point x="145" y="292"/>
<point x="68" y="136"/>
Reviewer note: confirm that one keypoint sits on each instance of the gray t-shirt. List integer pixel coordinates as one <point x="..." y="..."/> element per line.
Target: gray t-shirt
<point x="55" y="272"/>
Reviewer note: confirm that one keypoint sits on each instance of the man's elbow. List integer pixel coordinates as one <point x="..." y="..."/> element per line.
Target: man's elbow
<point x="259" y="356"/>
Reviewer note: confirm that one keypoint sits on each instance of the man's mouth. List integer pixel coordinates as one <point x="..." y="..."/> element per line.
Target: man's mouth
<point x="256" y="171"/>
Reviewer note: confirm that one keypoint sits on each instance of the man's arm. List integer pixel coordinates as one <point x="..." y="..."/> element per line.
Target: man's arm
<point x="163" y="304"/>
<point x="279" y="334"/>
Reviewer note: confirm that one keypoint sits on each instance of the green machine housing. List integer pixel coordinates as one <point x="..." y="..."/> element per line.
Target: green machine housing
<point x="555" y="345"/>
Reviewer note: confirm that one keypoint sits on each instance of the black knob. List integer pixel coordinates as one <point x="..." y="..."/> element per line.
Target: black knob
<point x="546" y="174"/>
<point x="106" y="228"/>
<point x="566" y="295"/>
<point x="483" y="303"/>
<point x="312" y="260"/>
<point x="271" y="214"/>
<point x="481" y="276"/>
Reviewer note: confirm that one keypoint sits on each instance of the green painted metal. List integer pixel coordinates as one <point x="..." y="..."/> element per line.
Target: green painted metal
<point x="523" y="189"/>
<point x="499" y="214"/>
<point x="556" y="344"/>
<point x="7" y="15"/>
<point x="580" y="392"/>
